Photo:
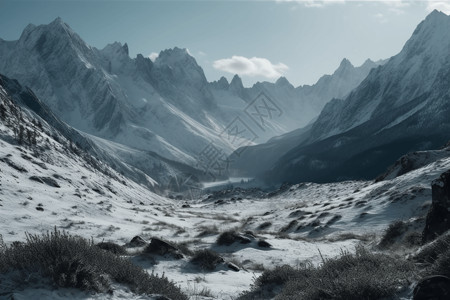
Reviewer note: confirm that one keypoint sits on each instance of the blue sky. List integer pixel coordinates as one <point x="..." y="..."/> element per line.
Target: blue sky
<point x="261" y="40"/>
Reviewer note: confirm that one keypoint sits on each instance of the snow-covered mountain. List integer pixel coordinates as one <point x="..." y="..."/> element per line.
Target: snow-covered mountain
<point x="145" y="105"/>
<point x="401" y="106"/>
<point x="306" y="103"/>
<point x="128" y="162"/>
<point x="144" y="111"/>
<point x="297" y="106"/>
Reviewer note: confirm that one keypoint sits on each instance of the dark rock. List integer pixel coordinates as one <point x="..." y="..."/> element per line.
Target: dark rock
<point x="334" y="219"/>
<point x="264" y="225"/>
<point x="233" y="267"/>
<point x="98" y="190"/>
<point x="160" y="297"/>
<point x="433" y="287"/>
<point x="137" y="241"/>
<point x="296" y="213"/>
<point x="40" y="164"/>
<point x="264" y="244"/>
<point x="37" y="179"/>
<point x="160" y="247"/>
<point x="185" y="206"/>
<point x="46" y="180"/>
<point x="438" y="218"/>
<point x="289" y="226"/>
<point x="228" y="238"/>
<point x="243" y="239"/>
<point x="39" y="208"/>
<point x="14" y="165"/>
<point x="250" y="234"/>
<point x="402" y="166"/>
<point x="26" y="157"/>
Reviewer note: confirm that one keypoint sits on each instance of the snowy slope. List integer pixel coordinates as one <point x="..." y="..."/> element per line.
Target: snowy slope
<point x="52" y="183"/>
<point x="417" y="71"/>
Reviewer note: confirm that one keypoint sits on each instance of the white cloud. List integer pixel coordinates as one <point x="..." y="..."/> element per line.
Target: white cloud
<point x="254" y="66"/>
<point x="314" y="3"/>
<point x="381" y="18"/>
<point x="153" y="56"/>
<point x="321" y="3"/>
<point x="396" y="3"/>
<point x="443" y="6"/>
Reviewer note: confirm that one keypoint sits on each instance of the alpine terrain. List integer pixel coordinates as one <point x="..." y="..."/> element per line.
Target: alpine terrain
<point x="137" y="178"/>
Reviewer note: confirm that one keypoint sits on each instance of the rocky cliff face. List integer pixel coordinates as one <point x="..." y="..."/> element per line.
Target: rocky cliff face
<point x="438" y="218"/>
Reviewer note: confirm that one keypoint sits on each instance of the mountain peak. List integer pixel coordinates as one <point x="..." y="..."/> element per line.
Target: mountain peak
<point x="173" y="53"/>
<point x="115" y="49"/>
<point x="125" y="48"/>
<point x="345" y="63"/>
<point x="430" y="38"/>
<point x="58" y="23"/>
<point x="236" y="81"/>
<point x="436" y="14"/>
<point x="344" y="67"/>
<point x="56" y="31"/>
<point x="282" y="81"/>
<point x="175" y="56"/>
<point x="368" y="64"/>
<point x="58" y="20"/>
<point x="434" y="19"/>
<point x="221" y="84"/>
<point x="30" y="27"/>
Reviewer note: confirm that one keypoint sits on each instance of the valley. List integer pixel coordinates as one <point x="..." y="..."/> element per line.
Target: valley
<point x="137" y="178"/>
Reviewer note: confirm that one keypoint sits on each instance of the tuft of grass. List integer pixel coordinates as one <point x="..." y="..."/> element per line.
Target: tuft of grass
<point x="441" y="265"/>
<point x="208" y="230"/>
<point x="265" y="225"/>
<point x="392" y="233"/>
<point x="206" y="259"/>
<point x="226" y="238"/>
<point x="112" y="247"/>
<point x="184" y="247"/>
<point x="74" y="262"/>
<point x="430" y="252"/>
<point x="363" y="275"/>
<point x="436" y="256"/>
<point x="352" y="236"/>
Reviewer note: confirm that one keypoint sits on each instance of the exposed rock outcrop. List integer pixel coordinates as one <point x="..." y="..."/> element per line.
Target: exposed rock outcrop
<point x="438" y="218"/>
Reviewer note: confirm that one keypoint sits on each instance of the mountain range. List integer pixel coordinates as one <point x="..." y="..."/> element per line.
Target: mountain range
<point x="158" y="116"/>
<point x="401" y="106"/>
<point x="100" y="161"/>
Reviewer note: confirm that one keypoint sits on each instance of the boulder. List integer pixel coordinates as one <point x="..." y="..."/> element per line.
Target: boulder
<point x="438" y="218"/>
<point x="433" y="287"/>
<point x="160" y="247"/>
<point x="137" y="241"/>
<point x="46" y="180"/>
<point x="264" y="244"/>
<point x="243" y="239"/>
<point x="233" y="267"/>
